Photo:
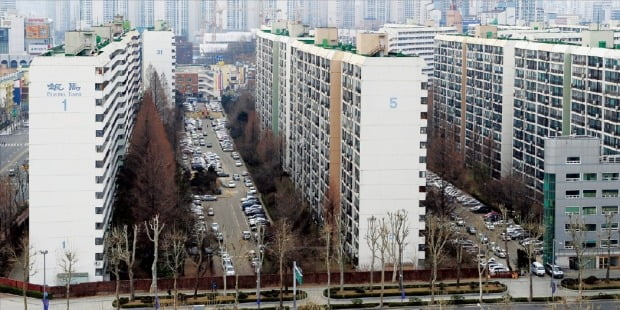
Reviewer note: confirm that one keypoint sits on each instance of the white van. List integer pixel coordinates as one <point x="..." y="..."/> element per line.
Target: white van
<point x="538" y="269"/>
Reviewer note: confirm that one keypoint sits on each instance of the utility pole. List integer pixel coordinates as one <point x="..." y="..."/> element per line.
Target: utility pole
<point x="45" y="300"/>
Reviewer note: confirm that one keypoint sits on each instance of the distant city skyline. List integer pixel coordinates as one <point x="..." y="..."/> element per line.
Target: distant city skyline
<point x="193" y="18"/>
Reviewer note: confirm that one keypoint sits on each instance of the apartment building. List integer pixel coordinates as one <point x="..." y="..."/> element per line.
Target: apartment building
<point x="415" y="40"/>
<point x="581" y="203"/>
<point x="83" y="98"/>
<point x="535" y="90"/>
<point x="353" y="124"/>
<point x="473" y="97"/>
<point x="159" y="55"/>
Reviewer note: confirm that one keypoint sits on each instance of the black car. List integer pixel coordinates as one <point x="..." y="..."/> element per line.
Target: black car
<point x="483" y="209"/>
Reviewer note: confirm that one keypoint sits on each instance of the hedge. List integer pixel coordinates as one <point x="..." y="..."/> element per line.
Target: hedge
<point x="18" y="291"/>
<point x="188" y="299"/>
<point x="362" y="291"/>
<point x="573" y="284"/>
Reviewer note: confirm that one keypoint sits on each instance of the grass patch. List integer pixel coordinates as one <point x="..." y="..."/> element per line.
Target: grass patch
<point x="415" y="290"/>
<point x="208" y="299"/>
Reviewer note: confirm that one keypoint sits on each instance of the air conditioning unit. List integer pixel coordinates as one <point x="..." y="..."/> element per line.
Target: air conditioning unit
<point x="98" y="264"/>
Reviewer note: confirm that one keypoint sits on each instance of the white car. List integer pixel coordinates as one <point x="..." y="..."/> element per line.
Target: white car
<point x="215" y="227"/>
<point x="230" y="271"/>
<point x="238" y="164"/>
<point x="232" y="184"/>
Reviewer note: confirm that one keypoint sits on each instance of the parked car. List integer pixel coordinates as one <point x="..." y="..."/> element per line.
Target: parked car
<point x="471" y="230"/>
<point x="554" y="271"/>
<point x="537" y="269"/>
<point x="209" y="198"/>
<point x="210" y="212"/>
<point x="246" y="235"/>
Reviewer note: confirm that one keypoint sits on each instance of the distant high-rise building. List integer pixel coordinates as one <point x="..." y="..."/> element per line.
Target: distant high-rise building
<point x="177" y="16"/>
<point x="345" y="14"/>
<point x="376" y="12"/>
<point x="85" y="17"/>
<point x="146" y="13"/>
<point x="113" y="8"/>
<point x="8" y="6"/>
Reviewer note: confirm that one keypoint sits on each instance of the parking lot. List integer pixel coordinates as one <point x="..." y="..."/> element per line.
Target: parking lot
<point x="480" y="227"/>
<point x="207" y="144"/>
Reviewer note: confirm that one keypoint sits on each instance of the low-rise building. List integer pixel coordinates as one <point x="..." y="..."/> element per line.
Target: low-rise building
<point x="581" y="203"/>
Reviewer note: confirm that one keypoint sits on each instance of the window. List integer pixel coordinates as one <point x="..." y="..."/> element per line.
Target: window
<point x="567" y="227"/>
<point x="423" y="130"/>
<point x="571" y="210"/>
<point x="610" y="193"/>
<point x="573" y="160"/>
<point x="424" y="85"/>
<point x="589" y="193"/>
<point x="98" y="210"/>
<point x="99" y="272"/>
<point x="99" y="195"/>
<point x="612" y="226"/>
<point x="589" y="176"/>
<point x="568" y="244"/>
<point x="99" y="179"/>
<point x="605" y="243"/>
<point x="610" y="176"/>
<point x="424" y="100"/>
<point x="423" y="159"/>
<point x="609" y="210"/>
<point x="590" y="227"/>
<point x="98" y="241"/>
<point x="99" y="164"/>
<point x="422" y="174"/>
<point x="572" y="194"/>
<point x="98" y="117"/>
<point x="572" y="177"/>
<point x="421" y="247"/>
<point x="422" y="217"/>
<point x="423" y="115"/>
<point x="98" y="226"/>
<point x="589" y="211"/>
<point x="422" y="189"/>
<point x="589" y="244"/>
<point x="98" y="256"/>
<point x="423" y="144"/>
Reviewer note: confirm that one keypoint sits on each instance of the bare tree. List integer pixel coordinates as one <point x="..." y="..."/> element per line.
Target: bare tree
<point x="384" y="245"/>
<point x="26" y="262"/>
<point x="399" y="223"/>
<point x="67" y="262"/>
<point x="437" y="235"/>
<point x="533" y="225"/>
<point x="578" y="235"/>
<point x="174" y="245"/>
<point x="610" y="220"/>
<point x="459" y="257"/>
<point x="504" y="212"/>
<point x="237" y="248"/>
<point x="283" y="241"/>
<point x="372" y="239"/>
<point x="128" y="255"/>
<point x="114" y="251"/>
<point x="327" y="232"/>
<point x="339" y="240"/>
<point x="198" y="258"/>
<point x="153" y="229"/>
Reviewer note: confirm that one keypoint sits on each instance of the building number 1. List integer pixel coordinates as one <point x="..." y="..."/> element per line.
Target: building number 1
<point x="64" y="103"/>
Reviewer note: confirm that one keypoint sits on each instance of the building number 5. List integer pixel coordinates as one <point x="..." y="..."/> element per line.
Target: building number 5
<point x="393" y="102"/>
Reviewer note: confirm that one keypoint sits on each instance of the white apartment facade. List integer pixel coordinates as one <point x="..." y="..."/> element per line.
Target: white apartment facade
<point x="415" y="40"/>
<point x="353" y="130"/>
<point x="159" y="54"/>
<point x="473" y="94"/>
<point x="82" y="110"/>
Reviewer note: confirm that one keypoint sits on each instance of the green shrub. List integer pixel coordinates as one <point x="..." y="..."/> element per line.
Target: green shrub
<point x="356" y="301"/>
<point x="590" y="280"/>
<point x="415" y="299"/>
<point x="473" y="285"/>
<point x="18" y="291"/>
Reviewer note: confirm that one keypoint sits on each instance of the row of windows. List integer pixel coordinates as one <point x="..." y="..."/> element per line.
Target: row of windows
<point x="590" y="210"/>
<point x="591" y="193"/>
<point x="591" y="227"/>
<point x="606" y="176"/>
<point x="592" y="244"/>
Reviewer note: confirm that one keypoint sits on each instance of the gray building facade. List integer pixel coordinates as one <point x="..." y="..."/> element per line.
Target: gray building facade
<point x="580" y="192"/>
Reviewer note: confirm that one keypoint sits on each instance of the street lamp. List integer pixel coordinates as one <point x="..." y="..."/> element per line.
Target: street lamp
<point x="45" y="302"/>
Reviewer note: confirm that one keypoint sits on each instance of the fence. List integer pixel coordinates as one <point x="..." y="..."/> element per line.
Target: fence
<point x="245" y="282"/>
